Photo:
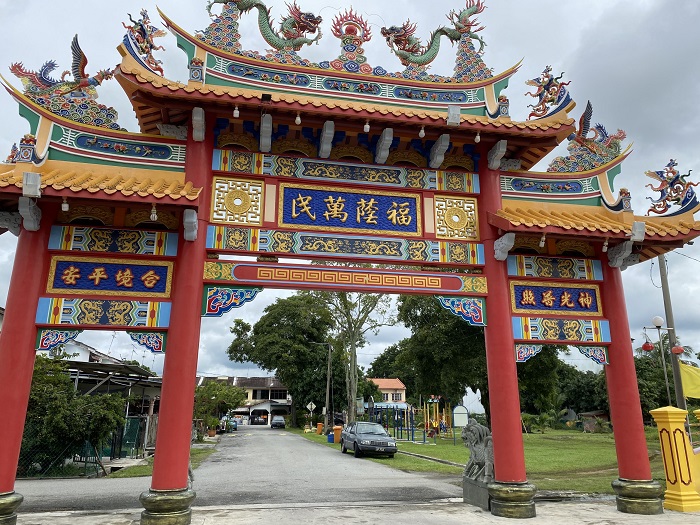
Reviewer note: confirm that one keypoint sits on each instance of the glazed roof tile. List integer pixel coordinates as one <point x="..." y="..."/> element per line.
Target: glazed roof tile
<point x="78" y="177"/>
<point x="130" y="67"/>
<point x="595" y="221"/>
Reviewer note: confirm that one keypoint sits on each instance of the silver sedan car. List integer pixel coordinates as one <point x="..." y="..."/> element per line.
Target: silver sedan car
<point x="363" y="437"/>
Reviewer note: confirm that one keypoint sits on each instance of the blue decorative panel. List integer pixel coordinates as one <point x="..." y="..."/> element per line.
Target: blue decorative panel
<point x="93" y="312"/>
<point x="88" y="239"/>
<point x="48" y="338"/>
<point x="555" y="298"/>
<point x="471" y="309"/>
<point x="561" y="330"/>
<point x="597" y="354"/>
<point x="219" y="300"/>
<point x="309" y="207"/>
<point x="523" y="352"/>
<point x="102" y="276"/>
<point x="153" y="341"/>
<point x="555" y="267"/>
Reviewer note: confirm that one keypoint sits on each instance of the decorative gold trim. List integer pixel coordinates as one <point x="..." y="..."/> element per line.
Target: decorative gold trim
<point x="458" y="161"/>
<point x="411" y="156"/>
<point x="395" y="233"/>
<point x="289" y="145"/>
<point x="101" y="213"/>
<point x="559" y="285"/>
<point x="582" y="247"/>
<point x="348" y="151"/>
<point x="532" y="243"/>
<point x="243" y="140"/>
<point x="167" y="219"/>
<point x="116" y="293"/>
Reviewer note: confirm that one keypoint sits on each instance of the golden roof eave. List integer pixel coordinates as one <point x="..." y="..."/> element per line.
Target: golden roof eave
<point x="662" y="234"/>
<point x="134" y="77"/>
<point x="82" y="179"/>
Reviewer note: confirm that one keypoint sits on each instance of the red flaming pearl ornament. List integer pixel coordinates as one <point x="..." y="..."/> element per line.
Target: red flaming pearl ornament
<point x="678" y="349"/>
<point x="648" y="346"/>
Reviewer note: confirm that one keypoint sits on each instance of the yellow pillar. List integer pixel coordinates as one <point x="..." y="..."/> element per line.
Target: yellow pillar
<point x="681" y="465"/>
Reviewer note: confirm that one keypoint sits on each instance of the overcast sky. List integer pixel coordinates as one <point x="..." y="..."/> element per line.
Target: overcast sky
<point x="636" y="60"/>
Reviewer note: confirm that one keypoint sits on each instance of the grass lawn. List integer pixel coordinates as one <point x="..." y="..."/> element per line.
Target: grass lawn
<point x="565" y="460"/>
<point x="197" y="455"/>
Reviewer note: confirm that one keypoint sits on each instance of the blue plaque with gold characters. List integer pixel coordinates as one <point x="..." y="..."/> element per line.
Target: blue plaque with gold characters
<point x="312" y="207"/>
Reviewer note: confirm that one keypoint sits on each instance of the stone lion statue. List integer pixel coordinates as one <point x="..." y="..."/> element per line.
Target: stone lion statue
<point x="477" y="438"/>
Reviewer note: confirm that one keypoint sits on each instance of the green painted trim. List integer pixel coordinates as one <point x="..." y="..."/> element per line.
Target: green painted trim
<point x="31" y="116"/>
<point x="612" y="173"/>
<point x="592" y="201"/>
<point x="186" y="46"/>
<point x="60" y="155"/>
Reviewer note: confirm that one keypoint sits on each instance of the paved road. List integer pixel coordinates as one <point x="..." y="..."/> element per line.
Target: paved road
<point x="254" y="466"/>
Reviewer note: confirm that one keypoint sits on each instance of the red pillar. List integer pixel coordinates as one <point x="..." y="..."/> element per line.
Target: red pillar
<point x="621" y="377"/>
<point x="180" y="367"/>
<point x="504" y="398"/>
<point x="18" y="340"/>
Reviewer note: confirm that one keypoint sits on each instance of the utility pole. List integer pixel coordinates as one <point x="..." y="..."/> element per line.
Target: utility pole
<point x="328" y="384"/>
<point x="678" y="386"/>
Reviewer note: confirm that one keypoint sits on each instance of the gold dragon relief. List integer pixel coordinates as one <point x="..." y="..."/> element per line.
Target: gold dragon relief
<point x="415" y="178"/>
<point x="454" y="181"/>
<point x="380" y="248"/>
<point x="118" y="313"/>
<point x="100" y="240"/>
<point x="317" y="244"/>
<point x="566" y="268"/>
<point x="571" y="330"/>
<point x="282" y="242"/>
<point x="128" y="241"/>
<point x="241" y="162"/>
<point x="285" y="166"/>
<point x="418" y="250"/>
<point x="237" y="238"/>
<point x="90" y="312"/>
<point x="458" y="253"/>
<point x="550" y="329"/>
<point x="544" y="267"/>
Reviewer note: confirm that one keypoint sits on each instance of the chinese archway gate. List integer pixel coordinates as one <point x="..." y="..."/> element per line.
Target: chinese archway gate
<point x="272" y="155"/>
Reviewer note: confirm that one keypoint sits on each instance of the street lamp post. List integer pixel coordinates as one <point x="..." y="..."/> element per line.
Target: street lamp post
<point x="658" y="322"/>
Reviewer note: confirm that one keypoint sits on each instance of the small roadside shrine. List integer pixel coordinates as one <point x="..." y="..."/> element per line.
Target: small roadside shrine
<point x="269" y="155"/>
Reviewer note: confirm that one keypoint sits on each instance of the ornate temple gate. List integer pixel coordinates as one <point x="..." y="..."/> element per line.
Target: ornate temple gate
<point x="273" y="156"/>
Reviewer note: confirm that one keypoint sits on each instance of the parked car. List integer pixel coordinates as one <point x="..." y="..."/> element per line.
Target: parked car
<point x="258" y="421"/>
<point x="277" y="422"/>
<point x="363" y="437"/>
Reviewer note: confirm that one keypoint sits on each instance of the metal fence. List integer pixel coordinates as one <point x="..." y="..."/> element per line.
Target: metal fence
<point x="44" y="455"/>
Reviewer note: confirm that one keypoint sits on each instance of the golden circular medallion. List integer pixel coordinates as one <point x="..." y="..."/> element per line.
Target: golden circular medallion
<point x="456" y="218"/>
<point x="237" y="201"/>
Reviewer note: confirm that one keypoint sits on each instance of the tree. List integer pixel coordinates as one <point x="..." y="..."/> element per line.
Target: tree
<point x="582" y="391"/>
<point x="213" y="400"/>
<point x="448" y="354"/>
<point x="291" y="339"/>
<point x="538" y="381"/>
<point x="354" y="315"/>
<point x="60" y="420"/>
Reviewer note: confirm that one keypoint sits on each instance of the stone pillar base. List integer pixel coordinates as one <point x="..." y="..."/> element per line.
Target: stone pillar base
<point x="638" y="497"/>
<point x="167" y="507"/>
<point x="512" y="500"/>
<point x="9" y="503"/>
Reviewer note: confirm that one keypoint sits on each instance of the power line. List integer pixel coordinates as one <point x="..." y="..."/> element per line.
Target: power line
<point x="687" y="256"/>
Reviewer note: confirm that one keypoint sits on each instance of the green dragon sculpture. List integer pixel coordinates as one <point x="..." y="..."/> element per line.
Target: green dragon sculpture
<point x="409" y="49"/>
<point x="293" y="28"/>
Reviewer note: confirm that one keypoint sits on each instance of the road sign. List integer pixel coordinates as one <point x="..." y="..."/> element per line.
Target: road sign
<point x="311" y="406"/>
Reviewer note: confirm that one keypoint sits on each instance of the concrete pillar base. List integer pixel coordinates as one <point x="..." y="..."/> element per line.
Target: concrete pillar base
<point x="9" y="503"/>
<point x="512" y="500"/>
<point x="167" y="507"/>
<point x="638" y="497"/>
